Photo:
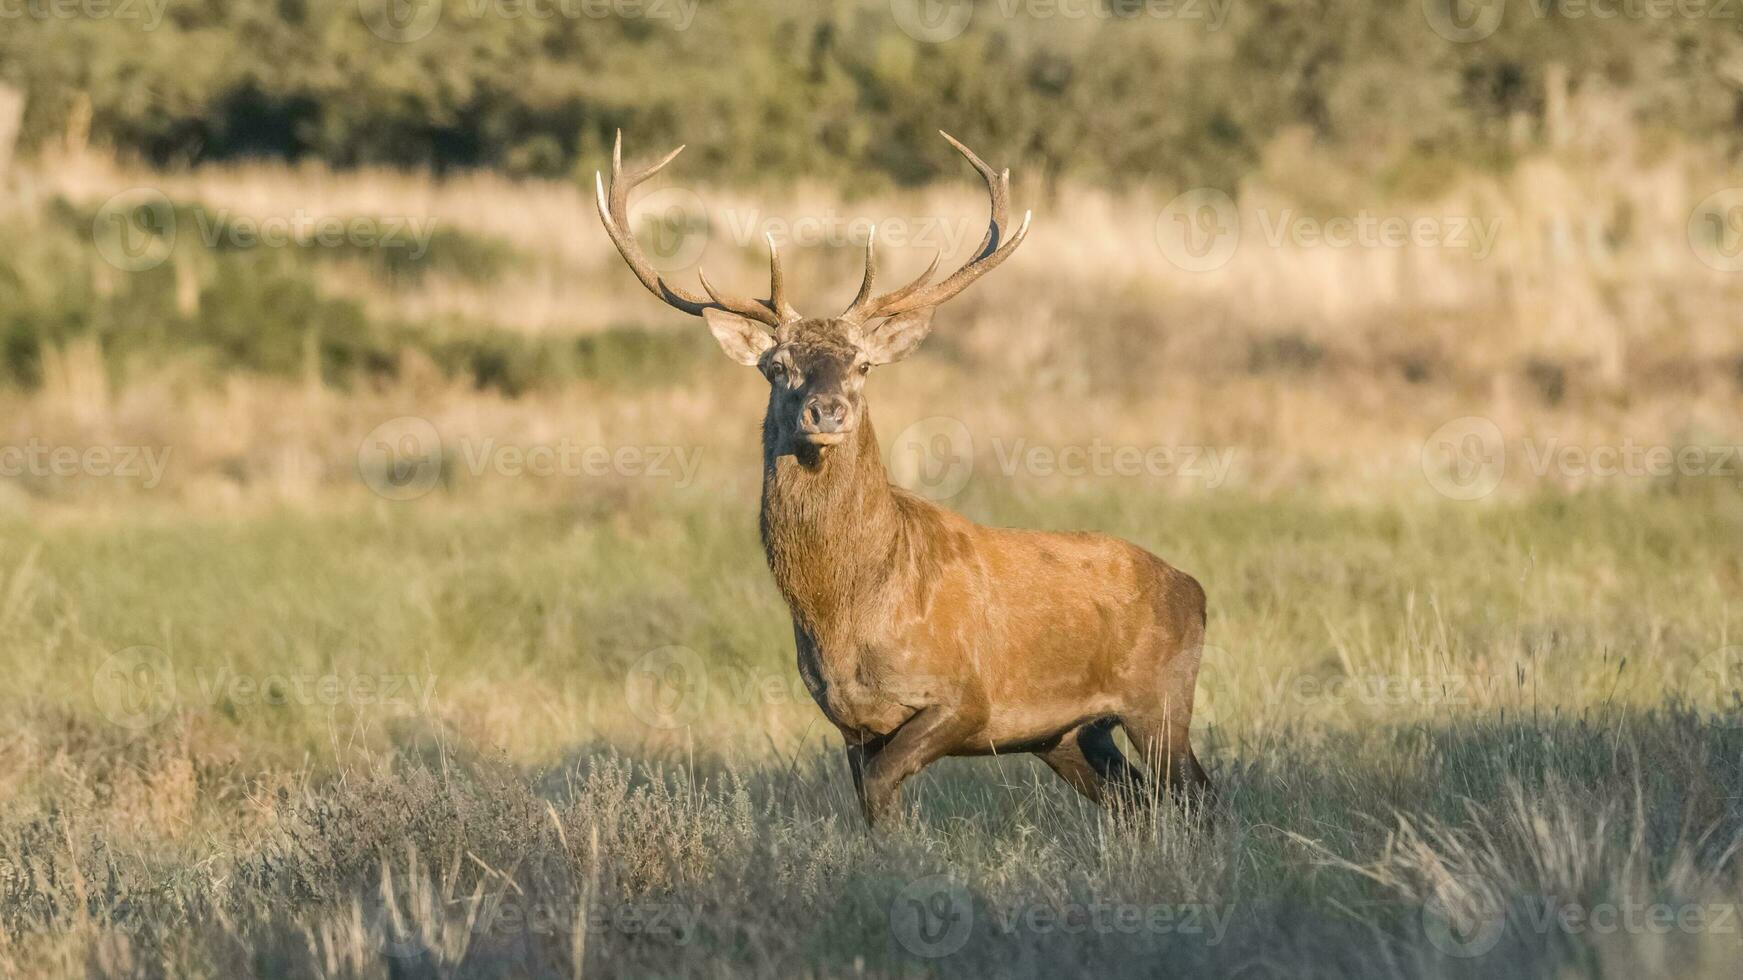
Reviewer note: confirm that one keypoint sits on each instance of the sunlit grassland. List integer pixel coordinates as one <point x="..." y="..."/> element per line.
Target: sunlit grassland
<point x="524" y="621"/>
<point x="1533" y="681"/>
<point x="263" y="719"/>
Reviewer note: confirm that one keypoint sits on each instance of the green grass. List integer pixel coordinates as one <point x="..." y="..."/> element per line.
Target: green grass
<point x="1408" y="706"/>
<point x="265" y="312"/>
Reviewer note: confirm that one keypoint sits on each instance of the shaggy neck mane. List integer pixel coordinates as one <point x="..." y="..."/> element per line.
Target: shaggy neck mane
<point x="830" y="526"/>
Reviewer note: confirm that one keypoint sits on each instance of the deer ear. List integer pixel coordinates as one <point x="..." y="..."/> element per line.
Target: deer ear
<point x="898" y="336"/>
<point x="742" y="339"/>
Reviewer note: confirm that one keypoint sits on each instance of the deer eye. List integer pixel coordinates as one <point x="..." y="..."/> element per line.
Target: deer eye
<point x="777" y="371"/>
<point x="865" y="367"/>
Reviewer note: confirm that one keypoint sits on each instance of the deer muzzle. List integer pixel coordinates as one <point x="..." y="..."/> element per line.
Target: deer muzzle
<point x="826" y="419"/>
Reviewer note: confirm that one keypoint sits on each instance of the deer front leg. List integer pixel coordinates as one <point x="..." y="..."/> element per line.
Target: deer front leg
<point x="928" y="735"/>
<point x="857" y="754"/>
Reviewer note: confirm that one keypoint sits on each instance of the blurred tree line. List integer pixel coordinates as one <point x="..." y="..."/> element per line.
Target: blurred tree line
<point x="1185" y="91"/>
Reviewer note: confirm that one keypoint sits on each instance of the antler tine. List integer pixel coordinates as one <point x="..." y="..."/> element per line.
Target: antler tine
<point x="863" y="306"/>
<point x="778" y="284"/>
<point x="614" y="212"/>
<point x="998" y="185"/>
<point x="871" y="272"/>
<point x="994" y="248"/>
<point x="775" y="306"/>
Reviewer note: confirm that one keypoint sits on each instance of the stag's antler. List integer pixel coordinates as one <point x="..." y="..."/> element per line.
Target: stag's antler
<point x="614" y="211"/>
<point x="993" y="249"/>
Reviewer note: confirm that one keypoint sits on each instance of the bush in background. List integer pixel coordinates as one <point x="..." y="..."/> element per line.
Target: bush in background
<point x="842" y="91"/>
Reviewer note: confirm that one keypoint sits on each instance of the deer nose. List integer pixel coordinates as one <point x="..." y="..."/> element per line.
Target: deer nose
<point x="825" y="413"/>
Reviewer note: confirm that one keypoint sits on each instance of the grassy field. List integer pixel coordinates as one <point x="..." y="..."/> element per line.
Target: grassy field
<point x="415" y="736"/>
<point x="335" y="647"/>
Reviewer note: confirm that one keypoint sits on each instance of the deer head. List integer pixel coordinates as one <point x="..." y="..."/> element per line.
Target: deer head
<point x="816" y="367"/>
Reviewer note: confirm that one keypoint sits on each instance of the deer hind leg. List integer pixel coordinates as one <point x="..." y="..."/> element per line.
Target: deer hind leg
<point x="928" y="735"/>
<point x="1125" y="779"/>
<point x="1068" y="762"/>
<point x="1166" y="747"/>
<point x="1087" y="758"/>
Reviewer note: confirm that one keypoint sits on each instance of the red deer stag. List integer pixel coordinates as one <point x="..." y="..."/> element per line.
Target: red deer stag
<point x="922" y="634"/>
